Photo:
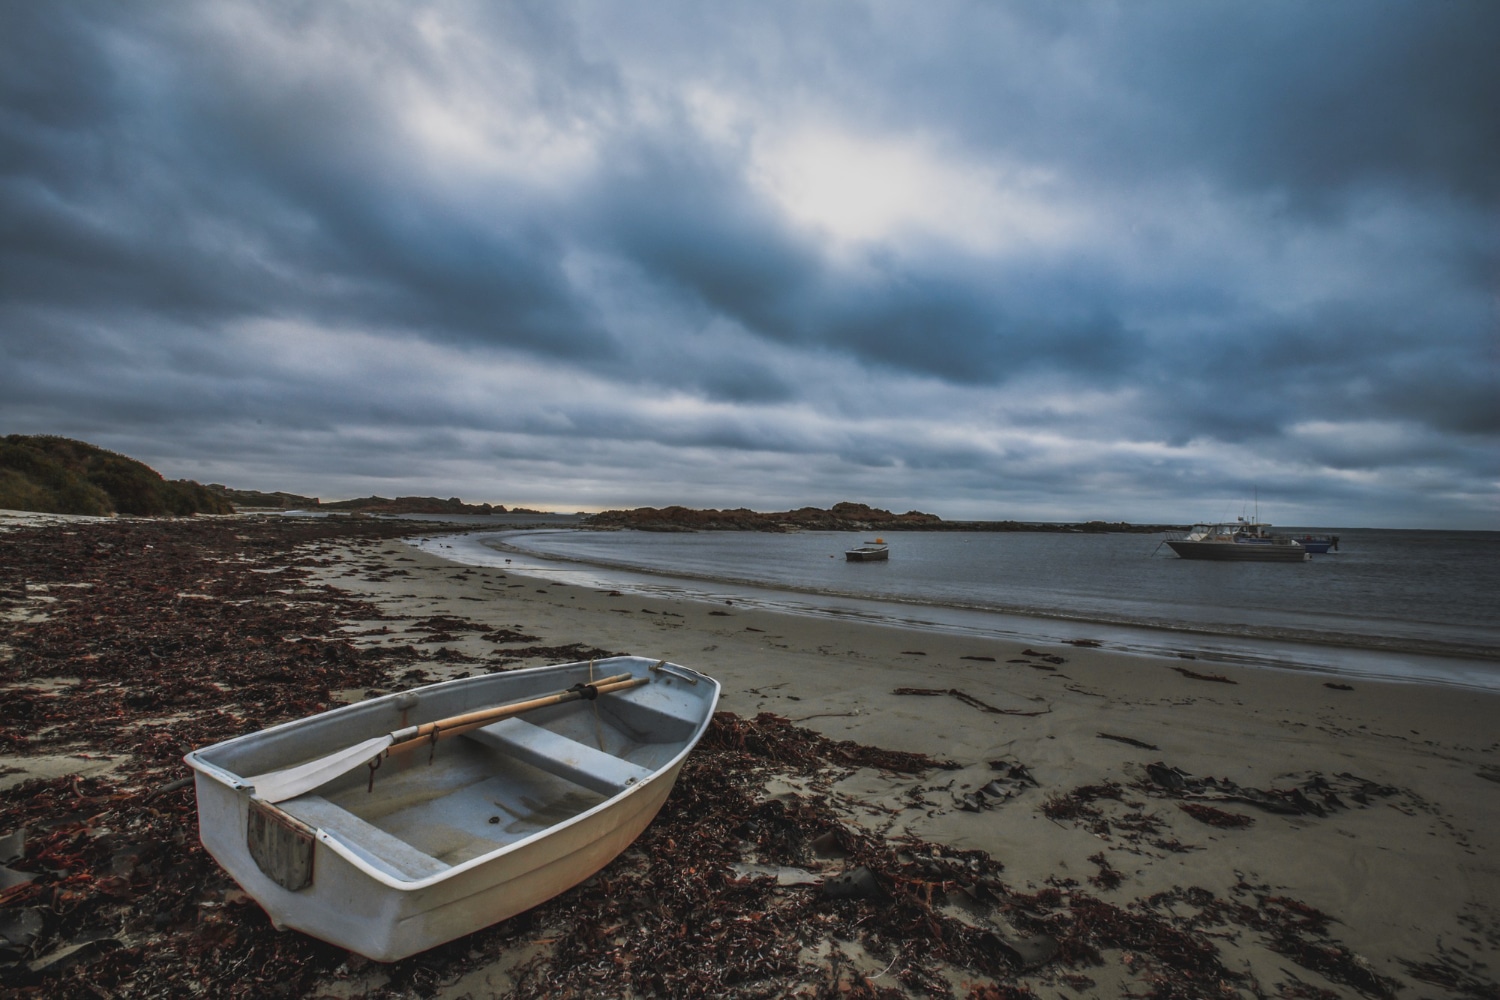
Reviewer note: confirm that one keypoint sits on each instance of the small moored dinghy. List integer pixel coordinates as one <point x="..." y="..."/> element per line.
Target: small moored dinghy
<point x="876" y="551"/>
<point x="367" y="826"/>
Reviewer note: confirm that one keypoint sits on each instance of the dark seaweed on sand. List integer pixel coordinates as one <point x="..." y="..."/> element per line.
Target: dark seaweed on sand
<point x="164" y="636"/>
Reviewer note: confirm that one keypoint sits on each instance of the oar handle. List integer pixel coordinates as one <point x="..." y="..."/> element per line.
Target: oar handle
<point x="494" y="712"/>
<point x="455" y="725"/>
<point x="600" y="688"/>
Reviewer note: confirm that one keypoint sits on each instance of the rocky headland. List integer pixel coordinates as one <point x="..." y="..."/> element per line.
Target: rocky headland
<point x="844" y="516"/>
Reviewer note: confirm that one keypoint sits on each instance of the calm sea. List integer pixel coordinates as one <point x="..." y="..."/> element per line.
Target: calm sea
<point x="1413" y="605"/>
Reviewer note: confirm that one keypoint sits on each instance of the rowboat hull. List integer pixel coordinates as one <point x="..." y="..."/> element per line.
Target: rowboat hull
<point x="493" y="825"/>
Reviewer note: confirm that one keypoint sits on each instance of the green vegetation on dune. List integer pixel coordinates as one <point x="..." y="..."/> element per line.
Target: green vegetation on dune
<point x="256" y="498"/>
<point x="58" y="475"/>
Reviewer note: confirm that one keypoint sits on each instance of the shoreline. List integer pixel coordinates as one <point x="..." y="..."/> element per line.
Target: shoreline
<point x="1401" y="877"/>
<point x="1395" y="857"/>
<point x="1391" y="662"/>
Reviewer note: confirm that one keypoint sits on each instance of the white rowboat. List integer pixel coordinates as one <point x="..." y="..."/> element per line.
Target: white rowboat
<point x="453" y="836"/>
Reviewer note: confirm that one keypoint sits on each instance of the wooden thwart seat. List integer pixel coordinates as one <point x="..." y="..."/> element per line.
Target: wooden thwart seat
<point x="391" y="855"/>
<point x="556" y="754"/>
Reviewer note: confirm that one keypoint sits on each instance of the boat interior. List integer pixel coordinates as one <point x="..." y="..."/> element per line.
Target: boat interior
<point x="425" y="810"/>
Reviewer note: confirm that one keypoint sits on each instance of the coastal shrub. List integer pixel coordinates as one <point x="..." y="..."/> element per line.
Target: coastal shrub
<point x="58" y="475"/>
<point x="128" y="483"/>
<point x="20" y="493"/>
<point x="184" y="497"/>
<point x="33" y="481"/>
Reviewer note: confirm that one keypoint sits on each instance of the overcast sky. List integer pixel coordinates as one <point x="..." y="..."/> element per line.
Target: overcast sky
<point x="1038" y="260"/>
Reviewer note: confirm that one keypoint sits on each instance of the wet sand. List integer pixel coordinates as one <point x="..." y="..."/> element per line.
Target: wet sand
<point x="1367" y="814"/>
<point x="1408" y="875"/>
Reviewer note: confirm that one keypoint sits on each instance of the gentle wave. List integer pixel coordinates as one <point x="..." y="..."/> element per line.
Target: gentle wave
<point x="1417" y="650"/>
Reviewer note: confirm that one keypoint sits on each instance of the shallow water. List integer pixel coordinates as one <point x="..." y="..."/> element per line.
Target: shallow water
<point x="1413" y="604"/>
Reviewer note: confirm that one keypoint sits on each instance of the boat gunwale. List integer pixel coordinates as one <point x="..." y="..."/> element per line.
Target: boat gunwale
<point x="239" y="785"/>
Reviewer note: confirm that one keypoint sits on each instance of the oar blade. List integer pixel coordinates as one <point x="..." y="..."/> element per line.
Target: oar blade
<point x="290" y="782"/>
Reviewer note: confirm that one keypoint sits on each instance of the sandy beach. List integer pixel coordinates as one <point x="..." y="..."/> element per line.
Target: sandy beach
<point x="1346" y="844"/>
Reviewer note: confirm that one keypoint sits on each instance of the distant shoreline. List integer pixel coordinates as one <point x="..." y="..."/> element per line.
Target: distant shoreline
<point x="1308" y="652"/>
<point x="840" y="517"/>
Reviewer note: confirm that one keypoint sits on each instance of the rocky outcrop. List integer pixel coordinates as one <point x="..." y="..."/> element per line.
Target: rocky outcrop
<point x="840" y="517"/>
<point x="361" y="505"/>
<point x="412" y="505"/>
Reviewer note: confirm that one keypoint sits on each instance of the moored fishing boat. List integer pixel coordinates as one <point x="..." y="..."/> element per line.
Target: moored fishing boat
<point x="1318" y="544"/>
<point x="1242" y="541"/>
<point x="336" y="830"/>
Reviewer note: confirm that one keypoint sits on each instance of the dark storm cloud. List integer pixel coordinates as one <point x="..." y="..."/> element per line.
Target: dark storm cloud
<point x="1312" y="99"/>
<point x="745" y="382"/>
<point x="1076" y="247"/>
<point x="973" y="329"/>
<point x="683" y="218"/>
<point x="1306" y="100"/>
<point x="685" y="221"/>
<point x="407" y="255"/>
<point x="206" y="189"/>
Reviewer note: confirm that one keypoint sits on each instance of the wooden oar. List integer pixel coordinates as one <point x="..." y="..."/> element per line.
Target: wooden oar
<point x="290" y="782"/>
<point x="457" y="725"/>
